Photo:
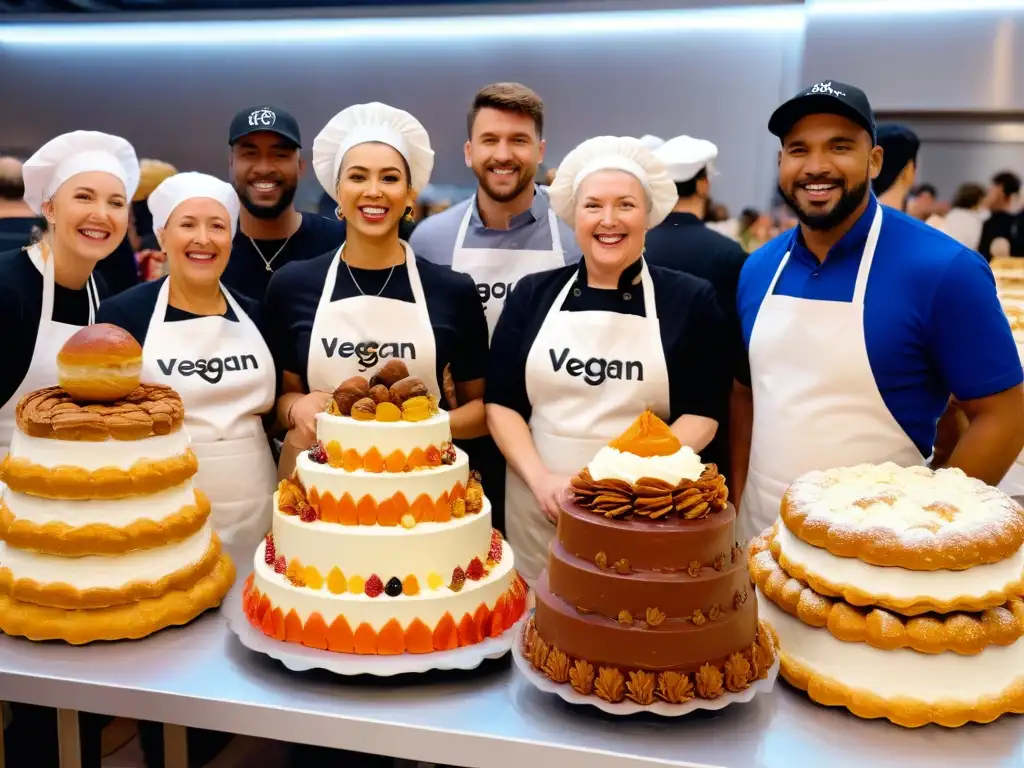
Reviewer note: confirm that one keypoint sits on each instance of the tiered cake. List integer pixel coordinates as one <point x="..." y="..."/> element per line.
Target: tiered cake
<point x="894" y="592"/>
<point x="102" y="536"/>
<point x="382" y="540"/>
<point x="646" y="594"/>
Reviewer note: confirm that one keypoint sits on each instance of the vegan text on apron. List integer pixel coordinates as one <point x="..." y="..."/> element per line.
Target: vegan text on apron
<point x="496" y="271"/>
<point x="816" y="403"/>
<point x="51" y="336"/>
<point x="226" y="377"/>
<point x="357" y="335"/>
<point x="577" y="406"/>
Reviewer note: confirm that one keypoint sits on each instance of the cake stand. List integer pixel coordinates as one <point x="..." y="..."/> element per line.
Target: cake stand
<point x="299" y="658"/>
<point x="626" y="707"/>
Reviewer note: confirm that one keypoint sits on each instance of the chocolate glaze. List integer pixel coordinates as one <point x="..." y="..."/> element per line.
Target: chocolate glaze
<point x="674" y="645"/>
<point x="669" y="544"/>
<point x="585" y="586"/>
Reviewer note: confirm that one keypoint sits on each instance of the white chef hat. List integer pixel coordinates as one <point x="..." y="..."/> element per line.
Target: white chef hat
<point x="78" y="152"/>
<point x="685" y="157"/>
<point x="175" y="190"/>
<point x="621" y="153"/>
<point x="651" y="142"/>
<point x="363" y="123"/>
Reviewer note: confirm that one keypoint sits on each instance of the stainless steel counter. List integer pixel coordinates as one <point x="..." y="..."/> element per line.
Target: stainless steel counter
<point x="201" y="675"/>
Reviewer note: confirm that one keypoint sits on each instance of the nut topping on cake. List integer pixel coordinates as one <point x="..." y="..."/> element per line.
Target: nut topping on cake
<point x="392" y="372"/>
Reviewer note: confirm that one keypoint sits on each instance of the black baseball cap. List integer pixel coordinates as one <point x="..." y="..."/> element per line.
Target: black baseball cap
<point x="829" y="97"/>
<point x="265" y="118"/>
<point x="900" y="146"/>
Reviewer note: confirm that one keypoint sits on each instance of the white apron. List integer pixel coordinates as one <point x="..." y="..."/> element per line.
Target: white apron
<point x="226" y="377"/>
<point x="496" y="271"/>
<point x="816" y="404"/>
<point x="359" y="335"/>
<point x="51" y="336"/>
<point x="572" y="419"/>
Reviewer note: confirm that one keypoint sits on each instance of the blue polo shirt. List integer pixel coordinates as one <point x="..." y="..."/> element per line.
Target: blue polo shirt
<point x="933" y="324"/>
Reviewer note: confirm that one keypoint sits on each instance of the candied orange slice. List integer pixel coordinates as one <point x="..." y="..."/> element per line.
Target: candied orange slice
<point x="367" y="510"/>
<point x="347" y="512"/>
<point x="335" y="456"/>
<point x="647" y="436"/>
<point x="442" y="509"/>
<point x="423" y="509"/>
<point x="482" y="619"/>
<point x="340" y="638"/>
<point x="312" y="577"/>
<point x="373" y="461"/>
<point x="391" y="639"/>
<point x="292" y="627"/>
<point x="417" y="459"/>
<point x="401" y="504"/>
<point x="395" y="461"/>
<point x="388" y="412"/>
<point x="353" y="460"/>
<point x="314" y="633"/>
<point x="336" y="583"/>
<point x="446" y="634"/>
<point x="468" y="634"/>
<point x="386" y="513"/>
<point x="366" y="640"/>
<point x="418" y="638"/>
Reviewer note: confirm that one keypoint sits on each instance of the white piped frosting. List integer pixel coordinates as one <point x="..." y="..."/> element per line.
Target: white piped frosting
<point x="118" y="513"/>
<point x="612" y="464"/>
<point x="93" y="455"/>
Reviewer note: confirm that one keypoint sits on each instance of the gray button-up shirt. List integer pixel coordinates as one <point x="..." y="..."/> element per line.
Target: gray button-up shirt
<point x="434" y="237"/>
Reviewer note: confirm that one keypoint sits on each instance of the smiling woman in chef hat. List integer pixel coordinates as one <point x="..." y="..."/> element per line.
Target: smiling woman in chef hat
<point x="204" y="341"/>
<point x="350" y="312"/>
<point x="579" y="352"/>
<point x="82" y="183"/>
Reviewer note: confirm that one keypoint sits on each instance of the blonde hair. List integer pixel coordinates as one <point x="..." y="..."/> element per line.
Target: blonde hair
<point x="152" y="172"/>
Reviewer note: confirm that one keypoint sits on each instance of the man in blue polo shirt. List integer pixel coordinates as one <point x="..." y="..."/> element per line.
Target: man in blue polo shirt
<point x="861" y="323"/>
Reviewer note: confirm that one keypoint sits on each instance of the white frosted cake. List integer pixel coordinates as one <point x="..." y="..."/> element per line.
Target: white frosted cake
<point x="102" y="534"/>
<point x="382" y="540"/>
<point x="895" y="592"/>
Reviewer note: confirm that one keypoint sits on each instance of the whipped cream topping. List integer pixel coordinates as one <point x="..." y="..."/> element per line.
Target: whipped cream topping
<point x="912" y="501"/>
<point x="612" y="464"/>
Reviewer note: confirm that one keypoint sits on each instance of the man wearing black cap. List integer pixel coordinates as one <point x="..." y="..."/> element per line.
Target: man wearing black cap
<point x="899" y="165"/>
<point x="861" y="323"/>
<point x="265" y="168"/>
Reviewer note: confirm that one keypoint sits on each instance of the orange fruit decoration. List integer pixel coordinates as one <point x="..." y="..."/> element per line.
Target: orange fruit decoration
<point x="648" y="436"/>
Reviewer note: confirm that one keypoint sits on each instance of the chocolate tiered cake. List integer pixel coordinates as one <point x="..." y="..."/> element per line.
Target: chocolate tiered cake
<point x="646" y="595"/>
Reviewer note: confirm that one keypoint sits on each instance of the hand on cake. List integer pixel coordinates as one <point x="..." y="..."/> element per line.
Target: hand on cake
<point x="548" y="489"/>
<point x="303" y="416"/>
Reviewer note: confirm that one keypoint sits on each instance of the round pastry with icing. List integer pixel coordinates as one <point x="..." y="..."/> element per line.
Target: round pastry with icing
<point x="909" y="517"/>
<point x="100" y="363"/>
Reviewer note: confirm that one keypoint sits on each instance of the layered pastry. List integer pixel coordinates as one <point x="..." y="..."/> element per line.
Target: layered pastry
<point x="382" y="540"/>
<point x="102" y="534"/>
<point x="646" y="595"/>
<point x="894" y="592"/>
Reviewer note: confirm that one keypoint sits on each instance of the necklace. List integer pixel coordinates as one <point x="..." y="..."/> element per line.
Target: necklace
<point x="267" y="262"/>
<point x="356" y="282"/>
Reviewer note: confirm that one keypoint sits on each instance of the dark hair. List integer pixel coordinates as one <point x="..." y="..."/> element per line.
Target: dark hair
<point x="747" y="218"/>
<point x="924" y="189"/>
<point x="1009" y="181"/>
<point x="968" y="195"/>
<point x="508" y="97"/>
<point x="688" y="188"/>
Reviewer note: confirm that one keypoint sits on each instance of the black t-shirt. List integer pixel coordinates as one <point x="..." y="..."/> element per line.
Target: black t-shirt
<point x="18" y="231"/>
<point x="247" y="273"/>
<point x="456" y="314"/>
<point x="120" y="270"/>
<point x="133" y="309"/>
<point x="692" y="336"/>
<point x="21" y="302"/>
<point x="1002" y="224"/>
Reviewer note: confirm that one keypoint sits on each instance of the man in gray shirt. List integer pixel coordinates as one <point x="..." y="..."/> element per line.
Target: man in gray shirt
<point x="507" y="229"/>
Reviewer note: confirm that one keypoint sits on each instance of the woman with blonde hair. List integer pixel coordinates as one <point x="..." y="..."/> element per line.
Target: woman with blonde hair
<point x="580" y="351"/>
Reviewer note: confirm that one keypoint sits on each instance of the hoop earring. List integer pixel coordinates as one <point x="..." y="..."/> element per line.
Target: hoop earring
<point x="339" y="214"/>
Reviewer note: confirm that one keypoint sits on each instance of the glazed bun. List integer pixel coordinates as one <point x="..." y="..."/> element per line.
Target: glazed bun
<point x="101" y="363"/>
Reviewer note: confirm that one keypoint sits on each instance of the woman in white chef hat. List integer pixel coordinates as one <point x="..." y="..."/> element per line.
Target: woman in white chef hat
<point x="82" y="182"/>
<point x="348" y="313"/>
<point x="205" y="341"/>
<point x="579" y="352"/>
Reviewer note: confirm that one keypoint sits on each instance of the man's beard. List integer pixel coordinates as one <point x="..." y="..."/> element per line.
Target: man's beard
<point x="526" y="178"/>
<point x="848" y="202"/>
<point x="267" y="211"/>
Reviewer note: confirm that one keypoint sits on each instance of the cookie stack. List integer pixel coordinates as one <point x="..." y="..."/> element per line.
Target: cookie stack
<point x="893" y="592"/>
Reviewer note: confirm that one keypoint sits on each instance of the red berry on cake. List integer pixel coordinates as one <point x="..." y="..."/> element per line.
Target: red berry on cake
<point x="307" y="514"/>
<point x="270" y="555"/>
<point x="374" y="586"/>
<point x="458" y="579"/>
<point x="280" y="565"/>
<point x="494" y="555"/>
<point x="475" y="571"/>
<point x="448" y="453"/>
<point x="318" y="454"/>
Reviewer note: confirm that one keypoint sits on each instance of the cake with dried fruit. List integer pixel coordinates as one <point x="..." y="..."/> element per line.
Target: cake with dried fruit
<point x="382" y="540"/>
<point x="895" y="592"/>
<point x="102" y="534"/>
<point x="646" y="595"/>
